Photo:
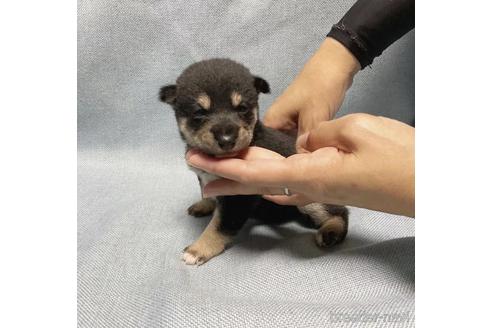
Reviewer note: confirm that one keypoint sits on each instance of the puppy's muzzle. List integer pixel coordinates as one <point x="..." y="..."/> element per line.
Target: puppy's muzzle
<point x="225" y="135"/>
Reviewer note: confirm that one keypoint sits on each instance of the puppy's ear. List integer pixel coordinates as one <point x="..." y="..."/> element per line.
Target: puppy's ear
<point x="261" y="85"/>
<point x="167" y="94"/>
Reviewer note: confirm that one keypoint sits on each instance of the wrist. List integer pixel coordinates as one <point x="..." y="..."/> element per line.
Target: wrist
<point x="331" y="63"/>
<point x="339" y="58"/>
<point x="329" y="73"/>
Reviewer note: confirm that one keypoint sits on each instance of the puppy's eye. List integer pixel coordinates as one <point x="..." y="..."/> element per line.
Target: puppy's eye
<point x="200" y="112"/>
<point x="197" y="110"/>
<point x="242" y="108"/>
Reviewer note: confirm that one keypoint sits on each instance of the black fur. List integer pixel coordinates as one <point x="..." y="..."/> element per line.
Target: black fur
<point x="261" y="85"/>
<point x="275" y="140"/>
<point x="167" y="94"/>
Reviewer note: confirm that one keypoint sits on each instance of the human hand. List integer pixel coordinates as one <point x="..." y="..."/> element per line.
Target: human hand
<point x="359" y="160"/>
<point x="317" y="92"/>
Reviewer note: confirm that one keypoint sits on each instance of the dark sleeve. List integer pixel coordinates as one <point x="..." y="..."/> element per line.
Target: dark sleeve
<point x="370" y="26"/>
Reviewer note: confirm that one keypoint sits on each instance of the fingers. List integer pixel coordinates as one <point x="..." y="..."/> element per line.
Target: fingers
<point x="336" y="133"/>
<point x="296" y="199"/>
<point x="222" y="187"/>
<point x="257" y="166"/>
<point x="254" y="153"/>
<point x="250" y="153"/>
<point x="279" y="118"/>
<point x="308" y="120"/>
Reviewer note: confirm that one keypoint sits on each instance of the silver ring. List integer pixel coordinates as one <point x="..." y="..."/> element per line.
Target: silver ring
<point x="287" y="192"/>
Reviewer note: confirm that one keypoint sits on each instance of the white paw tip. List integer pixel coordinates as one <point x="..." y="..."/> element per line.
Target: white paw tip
<point x="191" y="259"/>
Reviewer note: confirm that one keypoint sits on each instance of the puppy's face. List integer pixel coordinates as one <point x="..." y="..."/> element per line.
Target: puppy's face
<point x="216" y="110"/>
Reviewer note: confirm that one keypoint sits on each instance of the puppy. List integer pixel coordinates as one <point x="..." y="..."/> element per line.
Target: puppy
<point x="216" y="106"/>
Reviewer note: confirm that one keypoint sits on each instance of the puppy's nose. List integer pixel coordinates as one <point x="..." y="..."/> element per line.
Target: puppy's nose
<point x="225" y="135"/>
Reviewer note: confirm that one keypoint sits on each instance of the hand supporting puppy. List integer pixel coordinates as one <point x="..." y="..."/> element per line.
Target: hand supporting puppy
<point x="317" y="92"/>
<point x="359" y="160"/>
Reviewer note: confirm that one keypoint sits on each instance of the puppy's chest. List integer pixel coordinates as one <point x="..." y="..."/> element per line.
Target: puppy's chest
<point x="204" y="177"/>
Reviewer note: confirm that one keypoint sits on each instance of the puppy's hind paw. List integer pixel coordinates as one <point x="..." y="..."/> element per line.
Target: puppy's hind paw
<point x="332" y="232"/>
<point x="327" y="239"/>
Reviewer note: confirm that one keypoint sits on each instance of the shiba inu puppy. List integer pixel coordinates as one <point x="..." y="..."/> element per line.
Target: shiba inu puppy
<point x="215" y="102"/>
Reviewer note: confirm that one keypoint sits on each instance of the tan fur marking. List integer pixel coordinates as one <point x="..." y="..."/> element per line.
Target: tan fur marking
<point x="317" y="212"/>
<point x="211" y="243"/>
<point x="335" y="224"/>
<point x="204" y="101"/>
<point x="182" y="125"/>
<point x="236" y="98"/>
<point x="243" y="136"/>
<point x="202" y="138"/>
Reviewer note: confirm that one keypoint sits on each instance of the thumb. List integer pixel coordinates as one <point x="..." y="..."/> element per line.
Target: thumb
<point x="309" y="120"/>
<point x="281" y="115"/>
<point x="296" y="199"/>
<point x="327" y="134"/>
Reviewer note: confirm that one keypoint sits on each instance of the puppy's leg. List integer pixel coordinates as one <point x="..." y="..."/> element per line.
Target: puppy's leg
<point x="331" y="220"/>
<point x="235" y="211"/>
<point x="229" y="216"/>
<point x="211" y="243"/>
<point x="203" y="207"/>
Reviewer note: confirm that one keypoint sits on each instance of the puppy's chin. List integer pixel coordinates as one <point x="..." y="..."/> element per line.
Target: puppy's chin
<point x="227" y="155"/>
<point x="224" y="154"/>
<point x="219" y="153"/>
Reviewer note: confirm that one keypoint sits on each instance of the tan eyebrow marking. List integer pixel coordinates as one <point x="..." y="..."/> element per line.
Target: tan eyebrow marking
<point x="236" y="98"/>
<point x="204" y="101"/>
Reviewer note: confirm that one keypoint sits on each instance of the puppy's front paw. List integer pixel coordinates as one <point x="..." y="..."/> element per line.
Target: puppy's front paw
<point x="191" y="259"/>
<point x="202" y="208"/>
<point x="199" y="253"/>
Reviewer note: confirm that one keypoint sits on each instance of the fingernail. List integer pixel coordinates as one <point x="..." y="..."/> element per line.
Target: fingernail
<point x="301" y="142"/>
<point x="204" y="194"/>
